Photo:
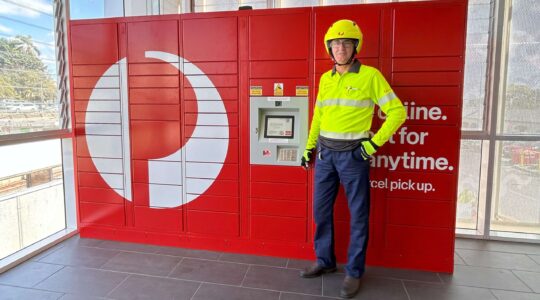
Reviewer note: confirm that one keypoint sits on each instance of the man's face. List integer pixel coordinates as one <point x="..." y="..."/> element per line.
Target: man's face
<point x="342" y="49"/>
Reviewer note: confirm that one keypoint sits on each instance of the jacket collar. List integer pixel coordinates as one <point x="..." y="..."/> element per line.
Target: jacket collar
<point x="355" y="67"/>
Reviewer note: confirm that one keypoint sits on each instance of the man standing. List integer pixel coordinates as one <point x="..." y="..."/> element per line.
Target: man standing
<point x="340" y="128"/>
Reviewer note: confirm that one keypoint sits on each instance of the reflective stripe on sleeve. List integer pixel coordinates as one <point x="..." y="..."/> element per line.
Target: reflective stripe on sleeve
<point x="386" y="98"/>
<point x="345" y="102"/>
<point x="344" y="135"/>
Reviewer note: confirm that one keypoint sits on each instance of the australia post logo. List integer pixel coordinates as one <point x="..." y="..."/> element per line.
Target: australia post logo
<point x="178" y="177"/>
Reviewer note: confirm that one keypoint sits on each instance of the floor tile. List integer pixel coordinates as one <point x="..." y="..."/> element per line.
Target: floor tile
<point x="185" y="252"/>
<point x="281" y="279"/>
<point x="133" y="247"/>
<point x="532" y="279"/>
<point x="509" y="295"/>
<point x="299" y="264"/>
<point x="498" y="246"/>
<point x="210" y="271"/>
<point x="29" y="274"/>
<point x="47" y="252"/>
<point x="429" y="291"/>
<point x="74" y="241"/>
<point x="146" y="287"/>
<point x="142" y="263"/>
<point x="79" y="297"/>
<point x="463" y="243"/>
<point x="402" y="274"/>
<point x="18" y="293"/>
<point x="292" y="296"/>
<point x="77" y="241"/>
<point x="458" y="260"/>
<point x="88" y="282"/>
<point x="503" y="260"/>
<point x="209" y="291"/>
<point x="536" y="258"/>
<point x="80" y="256"/>
<point x="254" y="259"/>
<point x="485" y="278"/>
<point x="370" y="287"/>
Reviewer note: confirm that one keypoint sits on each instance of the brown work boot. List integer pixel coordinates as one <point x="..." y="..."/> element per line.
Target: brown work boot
<point x="350" y="287"/>
<point x="315" y="270"/>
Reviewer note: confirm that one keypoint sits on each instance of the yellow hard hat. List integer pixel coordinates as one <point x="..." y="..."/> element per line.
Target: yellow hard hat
<point x="343" y="29"/>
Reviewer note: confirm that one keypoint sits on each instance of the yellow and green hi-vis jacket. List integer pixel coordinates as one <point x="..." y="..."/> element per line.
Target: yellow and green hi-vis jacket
<point x="345" y="106"/>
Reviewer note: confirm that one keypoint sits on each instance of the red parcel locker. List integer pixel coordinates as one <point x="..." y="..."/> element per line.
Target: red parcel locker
<point x="163" y="109"/>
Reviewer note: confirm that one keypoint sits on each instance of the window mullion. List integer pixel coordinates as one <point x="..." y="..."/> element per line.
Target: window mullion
<point x="497" y="75"/>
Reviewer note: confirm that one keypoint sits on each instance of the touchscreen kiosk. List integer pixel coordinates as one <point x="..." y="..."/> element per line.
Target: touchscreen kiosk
<point x="279" y="128"/>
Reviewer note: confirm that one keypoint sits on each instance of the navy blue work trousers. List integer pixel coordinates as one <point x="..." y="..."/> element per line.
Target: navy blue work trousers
<point x="349" y="168"/>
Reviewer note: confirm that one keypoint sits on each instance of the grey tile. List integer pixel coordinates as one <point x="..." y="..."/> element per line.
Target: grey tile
<point x="292" y="296"/>
<point x="184" y="252"/>
<point x="281" y="279"/>
<point x="83" y="281"/>
<point x="429" y="291"/>
<point x="74" y="241"/>
<point x="370" y="287"/>
<point x="47" y="252"/>
<point x="498" y="260"/>
<point x="77" y="241"/>
<point x="146" y="287"/>
<point x="532" y="279"/>
<point x="210" y="271"/>
<point x="209" y="291"/>
<point x="79" y="297"/>
<point x="464" y="243"/>
<point x="508" y="295"/>
<point x="458" y="260"/>
<point x="536" y="258"/>
<point x="299" y="264"/>
<point x="17" y="293"/>
<point x="254" y="259"/>
<point x="143" y="263"/>
<point x="133" y="247"/>
<point x="402" y="274"/>
<point x="80" y="256"/>
<point x="498" y="246"/>
<point x="28" y="274"/>
<point x="485" y="278"/>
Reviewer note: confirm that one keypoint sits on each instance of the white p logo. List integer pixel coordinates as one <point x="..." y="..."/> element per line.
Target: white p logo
<point x="177" y="178"/>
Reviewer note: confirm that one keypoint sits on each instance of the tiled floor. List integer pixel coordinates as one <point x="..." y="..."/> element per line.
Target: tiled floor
<point x="95" y="269"/>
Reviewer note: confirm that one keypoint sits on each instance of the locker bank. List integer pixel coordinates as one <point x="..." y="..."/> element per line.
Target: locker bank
<point x="190" y="129"/>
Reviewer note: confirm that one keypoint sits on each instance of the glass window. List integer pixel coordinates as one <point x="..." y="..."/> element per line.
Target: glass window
<point x="469" y="184"/>
<point x="476" y="55"/>
<point x="515" y="205"/>
<point x="298" y="3"/>
<point x="521" y="101"/>
<point x="28" y="87"/>
<point x="214" y="5"/>
<point x="31" y="194"/>
<point x="93" y="9"/>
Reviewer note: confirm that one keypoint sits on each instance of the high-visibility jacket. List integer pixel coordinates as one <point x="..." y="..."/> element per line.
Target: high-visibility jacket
<point x="345" y="106"/>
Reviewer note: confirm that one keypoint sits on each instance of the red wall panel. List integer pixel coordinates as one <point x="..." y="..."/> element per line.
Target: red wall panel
<point x="218" y="43"/>
<point x="278" y="228"/>
<point x="151" y="36"/>
<point x="444" y="31"/>
<point x="279" y="37"/>
<point x="163" y="220"/>
<point x="98" y="47"/>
